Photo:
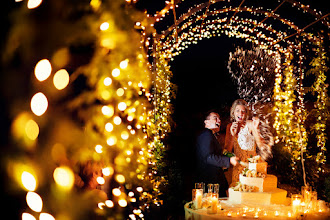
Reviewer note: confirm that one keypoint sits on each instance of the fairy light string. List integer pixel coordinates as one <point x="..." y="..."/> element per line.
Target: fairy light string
<point x="195" y="25"/>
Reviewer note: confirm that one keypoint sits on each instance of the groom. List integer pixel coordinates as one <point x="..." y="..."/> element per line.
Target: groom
<point x="209" y="155"/>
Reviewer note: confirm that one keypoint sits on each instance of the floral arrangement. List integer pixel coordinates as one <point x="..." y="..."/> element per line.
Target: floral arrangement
<point x="255" y="159"/>
<point x="244" y="188"/>
<point x="253" y="173"/>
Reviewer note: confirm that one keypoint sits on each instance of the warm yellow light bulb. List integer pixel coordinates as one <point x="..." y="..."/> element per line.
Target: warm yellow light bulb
<point x="112" y="141"/>
<point x="99" y="149"/>
<point x="34" y="201"/>
<point x="122" y="203"/>
<point x="29" y="181"/>
<point x="123" y="64"/>
<point x="109" y="203"/>
<point x="61" y="79"/>
<point x="107" y="110"/>
<point x="108" y="127"/>
<point x="107" y="81"/>
<point x="124" y="135"/>
<point x="39" y="104"/>
<point x="117" y="120"/>
<point x="122" y="106"/>
<point x="64" y="177"/>
<point x="120" y="178"/>
<point x="100" y="180"/>
<point x="27" y="216"/>
<point x="115" y="72"/>
<point x="42" y="70"/>
<point x="108" y="171"/>
<point x="104" y="26"/>
<point x="116" y="192"/>
<point x="120" y="92"/>
<point x="32" y="129"/>
<point x="46" y="216"/>
<point x="33" y="4"/>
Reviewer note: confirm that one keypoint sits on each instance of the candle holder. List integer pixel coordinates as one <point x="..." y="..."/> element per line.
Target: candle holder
<point x="296" y="200"/>
<point x="200" y="186"/>
<point x="313" y="204"/>
<point x="216" y="188"/>
<point x="213" y="201"/>
<point x="197" y="197"/>
<point x="306" y="192"/>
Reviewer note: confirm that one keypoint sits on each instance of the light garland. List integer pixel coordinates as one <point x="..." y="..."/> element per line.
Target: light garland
<point x="321" y="114"/>
<point x="111" y="137"/>
<point x="196" y="25"/>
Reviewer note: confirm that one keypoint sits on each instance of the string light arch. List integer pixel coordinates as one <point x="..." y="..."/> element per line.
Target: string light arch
<point x="287" y="40"/>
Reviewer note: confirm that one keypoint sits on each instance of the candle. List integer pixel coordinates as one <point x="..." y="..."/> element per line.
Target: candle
<point x="213" y="204"/>
<point x="229" y="214"/>
<point x="256" y="215"/>
<point x="276" y="213"/>
<point x="198" y="198"/>
<point x="295" y="202"/>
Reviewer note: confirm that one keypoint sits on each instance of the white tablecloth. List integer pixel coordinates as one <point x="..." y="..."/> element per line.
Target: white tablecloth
<point x="241" y="211"/>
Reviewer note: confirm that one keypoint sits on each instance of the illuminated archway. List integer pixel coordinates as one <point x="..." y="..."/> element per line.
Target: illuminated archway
<point x="288" y="40"/>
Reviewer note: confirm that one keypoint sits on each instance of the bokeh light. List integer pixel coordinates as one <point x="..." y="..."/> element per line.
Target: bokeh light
<point x="43" y="69"/>
<point x="124" y="135"/>
<point x="122" y="106"/>
<point x="100" y="180"/>
<point x="64" y="177"/>
<point x="123" y="64"/>
<point x="120" y="178"/>
<point x="61" y="79"/>
<point x="46" y="216"/>
<point x="120" y="92"/>
<point x="107" y="111"/>
<point x="29" y="181"/>
<point x="122" y="202"/>
<point x="34" y="201"/>
<point x="116" y="192"/>
<point x="27" y="216"/>
<point x="111" y="140"/>
<point x="109" y="203"/>
<point x="39" y="104"/>
<point x="115" y="72"/>
<point x="104" y="26"/>
<point x="99" y="148"/>
<point x="107" y="81"/>
<point x="32" y="129"/>
<point x="108" y="171"/>
<point x="117" y="120"/>
<point x="108" y="127"/>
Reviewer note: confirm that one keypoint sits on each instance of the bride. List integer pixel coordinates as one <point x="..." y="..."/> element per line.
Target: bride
<point x="244" y="136"/>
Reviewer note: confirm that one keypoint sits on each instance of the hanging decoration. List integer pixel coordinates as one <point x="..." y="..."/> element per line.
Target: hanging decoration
<point x="254" y="72"/>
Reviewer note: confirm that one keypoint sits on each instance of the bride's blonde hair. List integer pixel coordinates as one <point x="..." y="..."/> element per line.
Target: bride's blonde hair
<point x="233" y="107"/>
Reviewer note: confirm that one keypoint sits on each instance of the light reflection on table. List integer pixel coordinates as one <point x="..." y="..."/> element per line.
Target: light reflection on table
<point x="228" y="210"/>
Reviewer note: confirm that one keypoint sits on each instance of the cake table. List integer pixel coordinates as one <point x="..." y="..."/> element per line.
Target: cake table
<point x="229" y="210"/>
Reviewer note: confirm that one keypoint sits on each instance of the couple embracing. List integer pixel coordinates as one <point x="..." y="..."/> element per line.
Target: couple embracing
<point x="244" y="137"/>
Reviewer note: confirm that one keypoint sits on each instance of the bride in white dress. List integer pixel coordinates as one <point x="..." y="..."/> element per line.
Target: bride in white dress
<point x="243" y="136"/>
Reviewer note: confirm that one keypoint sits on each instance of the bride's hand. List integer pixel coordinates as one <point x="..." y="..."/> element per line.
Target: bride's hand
<point x="255" y="122"/>
<point x="234" y="128"/>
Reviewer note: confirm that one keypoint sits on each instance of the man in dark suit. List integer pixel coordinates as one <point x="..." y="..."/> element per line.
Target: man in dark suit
<point x="210" y="159"/>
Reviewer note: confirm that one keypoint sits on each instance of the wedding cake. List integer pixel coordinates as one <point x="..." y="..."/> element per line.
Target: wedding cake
<point x="256" y="187"/>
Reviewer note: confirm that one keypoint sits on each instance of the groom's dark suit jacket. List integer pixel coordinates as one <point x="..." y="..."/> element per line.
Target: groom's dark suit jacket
<point x="210" y="161"/>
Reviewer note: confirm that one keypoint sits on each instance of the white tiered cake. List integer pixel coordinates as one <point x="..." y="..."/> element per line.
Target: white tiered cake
<point x="256" y="187"/>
